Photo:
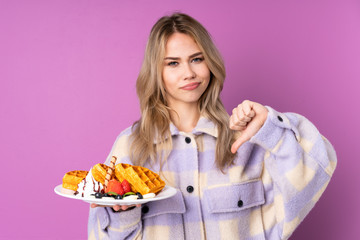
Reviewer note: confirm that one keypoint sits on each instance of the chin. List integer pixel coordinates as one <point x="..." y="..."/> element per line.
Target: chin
<point x="192" y="100"/>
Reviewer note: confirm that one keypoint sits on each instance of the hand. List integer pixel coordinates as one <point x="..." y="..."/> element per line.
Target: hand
<point x="247" y="118"/>
<point x="116" y="207"/>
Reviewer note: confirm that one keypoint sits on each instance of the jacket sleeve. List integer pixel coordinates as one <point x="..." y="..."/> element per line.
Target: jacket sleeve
<point x="299" y="163"/>
<point x="103" y="223"/>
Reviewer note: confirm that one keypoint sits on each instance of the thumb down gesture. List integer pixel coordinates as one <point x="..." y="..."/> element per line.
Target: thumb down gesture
<point x="247" y="118"/>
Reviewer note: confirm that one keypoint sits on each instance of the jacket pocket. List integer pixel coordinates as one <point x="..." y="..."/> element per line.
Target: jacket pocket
<point x="234" y="197"/>
<point x="174" y="204"/>
<point x="163" y="219"/>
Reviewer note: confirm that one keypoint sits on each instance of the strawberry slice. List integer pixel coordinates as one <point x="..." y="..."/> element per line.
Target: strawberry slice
<point x="126" y="186"/>
<point x="115" y="186"/>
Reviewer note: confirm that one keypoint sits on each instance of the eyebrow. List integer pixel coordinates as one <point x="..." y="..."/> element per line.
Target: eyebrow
<point x="177" y="58"/>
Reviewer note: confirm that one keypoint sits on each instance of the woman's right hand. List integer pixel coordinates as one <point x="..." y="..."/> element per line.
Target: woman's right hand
<point x="116" y="207"/>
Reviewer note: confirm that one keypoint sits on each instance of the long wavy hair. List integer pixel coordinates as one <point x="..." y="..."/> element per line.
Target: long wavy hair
<point x="151" y="138"/>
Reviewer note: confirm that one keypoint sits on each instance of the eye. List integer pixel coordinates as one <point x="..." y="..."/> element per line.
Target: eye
<point x="198" y="59"/>
<point x="173" y="63"/>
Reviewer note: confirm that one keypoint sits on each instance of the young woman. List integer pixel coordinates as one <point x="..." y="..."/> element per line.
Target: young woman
<point x="252" y="175"/>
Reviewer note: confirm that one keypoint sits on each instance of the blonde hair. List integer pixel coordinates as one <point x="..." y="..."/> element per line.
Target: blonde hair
<point x="151" y="137"/>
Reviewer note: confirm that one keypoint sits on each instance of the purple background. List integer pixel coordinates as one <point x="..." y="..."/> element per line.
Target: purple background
<point x="68" y="72"/>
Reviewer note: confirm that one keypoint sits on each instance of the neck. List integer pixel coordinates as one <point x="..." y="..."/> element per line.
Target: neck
<point x="185" y="116"/>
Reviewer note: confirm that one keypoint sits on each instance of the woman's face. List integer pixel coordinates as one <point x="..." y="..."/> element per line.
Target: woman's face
<point x="185" y="73"/>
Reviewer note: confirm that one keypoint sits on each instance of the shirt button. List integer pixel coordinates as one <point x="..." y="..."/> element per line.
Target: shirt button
<point x="240" y="203"/>
<point x="145" y="209"/>
<point x="188" y="140"/>
<point x="190" y="189"/>
<point x="280" y="119"/>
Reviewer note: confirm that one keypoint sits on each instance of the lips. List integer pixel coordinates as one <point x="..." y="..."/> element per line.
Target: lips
<point x="191" y="86"/>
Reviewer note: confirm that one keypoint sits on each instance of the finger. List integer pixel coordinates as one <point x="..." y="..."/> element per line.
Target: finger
<point x="231" y="121"/>
<point x="116" y="208"/>
<point x="238" y="128"/>
<point x="237" y="144"/>
<point x="241" y="114"/>
<point x="243" y="122"/>
<point x="94" y="205"/>
<point x="125" y="207"/>
<point x="234" y="126"/>
<point x="235" y="117"/>
<point x="251" y="114"/>
<point x="247" y="106"/>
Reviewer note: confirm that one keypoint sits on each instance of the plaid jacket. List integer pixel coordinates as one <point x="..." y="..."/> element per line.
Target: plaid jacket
<point x="277" y="178"/>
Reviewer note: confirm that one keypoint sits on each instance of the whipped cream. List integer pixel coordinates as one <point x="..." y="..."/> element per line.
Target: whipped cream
<point x="149" y="195"/>
<point x="89" y="186"/>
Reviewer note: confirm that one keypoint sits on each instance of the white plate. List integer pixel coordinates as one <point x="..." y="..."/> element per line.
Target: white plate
<point x="167" y="192"/>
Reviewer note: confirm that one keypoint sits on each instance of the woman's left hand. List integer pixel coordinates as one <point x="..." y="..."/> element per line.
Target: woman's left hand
<point x="247" y="118"/>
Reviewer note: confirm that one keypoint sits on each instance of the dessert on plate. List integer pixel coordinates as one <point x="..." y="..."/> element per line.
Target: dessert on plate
<point x="121" y="181"/>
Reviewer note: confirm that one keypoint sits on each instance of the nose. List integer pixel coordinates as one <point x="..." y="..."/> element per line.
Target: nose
<point x="189" y="73"/>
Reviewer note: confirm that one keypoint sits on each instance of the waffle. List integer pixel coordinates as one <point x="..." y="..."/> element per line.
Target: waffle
<point x="99" y="172"/>
<point x="141" y="179"/>
<point x="73" y="178"/>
